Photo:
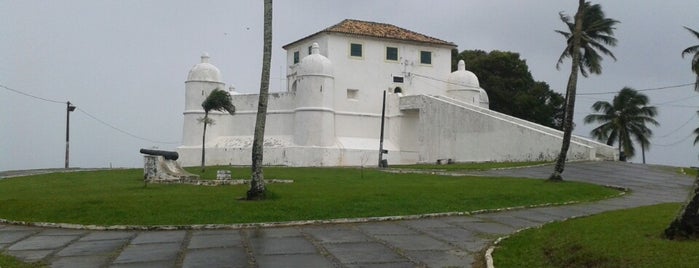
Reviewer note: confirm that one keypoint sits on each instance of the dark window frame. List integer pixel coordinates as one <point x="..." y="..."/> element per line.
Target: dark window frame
<point x="425" y="57"/>
<point x="388" y="53"/>
<point x="356" y="50"/>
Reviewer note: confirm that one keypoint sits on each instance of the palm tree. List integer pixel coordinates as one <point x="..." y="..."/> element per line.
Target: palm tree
<point x="623" y="119"/>
<point x="257" y="184"/>
<point x="218" y="100"/>
<point x="695" y="59"/>
<point x="686" y="224"/>
<point x="589" y="33"/>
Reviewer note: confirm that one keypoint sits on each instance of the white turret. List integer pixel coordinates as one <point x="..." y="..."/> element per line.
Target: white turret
<point x="201" y="80"/>
<point x="314" y="118"/>
<point x="464" y="86"/>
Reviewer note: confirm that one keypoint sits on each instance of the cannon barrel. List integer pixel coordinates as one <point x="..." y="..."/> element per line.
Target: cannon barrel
<point x="169" y="155"/>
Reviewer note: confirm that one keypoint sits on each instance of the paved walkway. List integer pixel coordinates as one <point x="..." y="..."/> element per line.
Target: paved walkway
<point x="434" y="242"/>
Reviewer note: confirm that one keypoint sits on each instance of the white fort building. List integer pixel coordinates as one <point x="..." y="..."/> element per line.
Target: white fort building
<point x="330" y="114"/>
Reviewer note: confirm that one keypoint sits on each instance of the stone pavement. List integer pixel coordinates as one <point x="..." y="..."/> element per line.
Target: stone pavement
<point x="432" y="242"/>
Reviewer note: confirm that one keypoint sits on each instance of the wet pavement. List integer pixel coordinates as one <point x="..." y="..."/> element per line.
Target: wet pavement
<point x="451" y="241"/>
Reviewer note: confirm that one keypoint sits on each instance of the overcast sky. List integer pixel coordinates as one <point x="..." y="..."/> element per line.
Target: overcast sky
<point x="125" y="62"/>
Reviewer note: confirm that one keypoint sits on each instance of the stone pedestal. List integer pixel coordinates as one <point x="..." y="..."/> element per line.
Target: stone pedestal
<point x="223" y="175"/>
<point x="157" y="168"/>
<point x="150" y="166"/>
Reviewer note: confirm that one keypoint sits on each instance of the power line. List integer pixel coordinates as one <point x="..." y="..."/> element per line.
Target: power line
<point x="676" y="100"/>
<point x="123" y="131"/>
<point x="674" y="143"/>
<point x="645" y="89"/>
<point x="88" y="114"/>
<point x="684" y="124"/>
<point x="680" y="106"/>
<point x="436" y="79"/>
<point x="578" y="94"/>
<point x="30" y="95"/>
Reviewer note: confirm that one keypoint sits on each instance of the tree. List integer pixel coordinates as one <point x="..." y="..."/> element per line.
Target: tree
<point x="257" y="183"/>
<point x="623" y="119"/>
<point x="686" y="224"/>
<point x="589" y="33"/>
<point x="218" y="100"/>
<point x="695" y="59"/>
<point x="511" y="87"/>
<point x="695" y="68"/>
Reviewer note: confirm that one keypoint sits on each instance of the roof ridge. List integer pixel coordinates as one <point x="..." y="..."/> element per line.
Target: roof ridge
<point x="378" y="30"/>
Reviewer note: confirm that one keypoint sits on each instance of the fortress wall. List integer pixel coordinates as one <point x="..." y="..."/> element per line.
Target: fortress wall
<point x="466" y="133"/>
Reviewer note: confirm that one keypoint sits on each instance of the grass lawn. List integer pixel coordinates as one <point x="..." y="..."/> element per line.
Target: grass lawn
<point x="627" y="238"/>
<point x="12" y="262"/>
<point x="119" y="196"/>
<point x="689" y="171"/>
<point x="470" y="166"/>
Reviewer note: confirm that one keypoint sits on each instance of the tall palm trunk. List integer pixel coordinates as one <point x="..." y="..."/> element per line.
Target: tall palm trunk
<point x="203" y="142"/>
<point x="686" y="224"/>
<point x="622" y="153"/>
<point x="570" y="95"/>
<point x="257" y="183"/>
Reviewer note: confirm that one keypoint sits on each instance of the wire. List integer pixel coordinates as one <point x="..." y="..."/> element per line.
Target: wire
<point x="86" y="113"/>
<point x="436" y="79"/>
<point x="123" y="131"/>
<point x="674" y="143"/>
<point x="578" y="94"/>
<point x="676" y="100"/>
<point x="30" y="95"/>
<point x="645" y="89"/>
<point x="674" y="131"/>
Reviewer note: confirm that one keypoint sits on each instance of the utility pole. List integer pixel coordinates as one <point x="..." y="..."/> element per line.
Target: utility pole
<point x="69" y="108"/>
<point x="382" y="164"/>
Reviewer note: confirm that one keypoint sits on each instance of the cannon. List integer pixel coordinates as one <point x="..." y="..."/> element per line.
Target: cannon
<point x="166" y="154"/>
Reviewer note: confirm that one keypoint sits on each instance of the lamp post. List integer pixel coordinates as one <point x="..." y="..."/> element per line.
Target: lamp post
<point x="382" y="163"/>
<point x="69" y="108"/>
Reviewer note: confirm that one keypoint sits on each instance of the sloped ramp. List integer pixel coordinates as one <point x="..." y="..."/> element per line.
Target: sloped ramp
<point x="451" y="129"/>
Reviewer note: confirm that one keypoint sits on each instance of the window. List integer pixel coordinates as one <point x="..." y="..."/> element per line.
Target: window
<point x="310" y="50"/>
<point x="296" y="57"/>
<point x="352" y="93"/>
<point x="356" y="50"/>
<point x="397" y="79"/>
<point x="392" y="53"/>
<point x="425" y="57"/>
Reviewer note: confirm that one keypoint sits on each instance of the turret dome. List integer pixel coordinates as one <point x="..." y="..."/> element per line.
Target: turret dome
<point x="204" y="71"/>
<point x="461" y="78"/>
<point x="315" y="64"/>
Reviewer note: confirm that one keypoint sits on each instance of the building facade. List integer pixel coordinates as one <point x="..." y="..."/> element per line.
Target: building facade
<point x="330" y="114"/>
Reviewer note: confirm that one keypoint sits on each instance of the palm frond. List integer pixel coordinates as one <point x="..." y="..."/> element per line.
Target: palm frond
<point x="696" y="34"/>
<point x="690" y="50"/>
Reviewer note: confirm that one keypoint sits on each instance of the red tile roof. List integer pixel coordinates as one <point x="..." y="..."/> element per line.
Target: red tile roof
<point x="379" y="30"/>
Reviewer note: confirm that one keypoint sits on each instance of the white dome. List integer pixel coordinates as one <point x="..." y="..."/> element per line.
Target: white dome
<point x="204" y="71"/>
<point x="461" y="78"/>
<point x="315" y="64"/>
<point x="484" y="101"/>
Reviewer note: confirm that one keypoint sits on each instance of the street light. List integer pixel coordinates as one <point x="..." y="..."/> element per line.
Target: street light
<point x="382" y="163"/>
<point x="69" y="108"/>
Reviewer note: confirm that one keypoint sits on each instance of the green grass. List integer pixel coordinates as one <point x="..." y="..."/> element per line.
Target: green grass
<point x="119" y="197"/>
<point x="470" y="166"/>
<point x="12" y="262"/>
<point x="627" y="238"/>
<point x="688" y="171"/>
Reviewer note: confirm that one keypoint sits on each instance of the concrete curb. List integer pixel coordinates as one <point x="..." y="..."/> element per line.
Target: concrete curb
<point x="489" y="261"/>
